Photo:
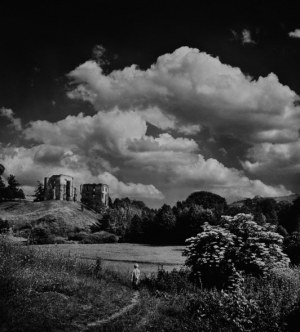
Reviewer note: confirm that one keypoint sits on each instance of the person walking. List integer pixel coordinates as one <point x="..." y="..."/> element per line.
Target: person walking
<point x="135" y="276"/>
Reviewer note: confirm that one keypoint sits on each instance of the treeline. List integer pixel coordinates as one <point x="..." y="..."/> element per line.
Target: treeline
<point x="11" y="190"/>
<point x="133" y="221"/>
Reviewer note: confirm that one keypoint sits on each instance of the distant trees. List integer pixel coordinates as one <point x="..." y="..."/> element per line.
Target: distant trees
<point x="208" y="200"/>
<point x="12" y="190"/>
<point x="164" y="225"/>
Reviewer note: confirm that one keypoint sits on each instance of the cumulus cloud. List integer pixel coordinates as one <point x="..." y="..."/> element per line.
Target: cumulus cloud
<point x="10" y="115"/>
<point x="183" y="93"/>
<point x="164" y="142"/>
<point x="97" y="148"/>
<point x="277" y="158"/>
<point x="190" y="92"/>
<point x="27" y="164"/>
<point x="193" y="88"/>
<point x="295" y="34"/>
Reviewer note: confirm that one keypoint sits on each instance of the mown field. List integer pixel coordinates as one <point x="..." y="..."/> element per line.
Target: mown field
<point x="121" y="256"/>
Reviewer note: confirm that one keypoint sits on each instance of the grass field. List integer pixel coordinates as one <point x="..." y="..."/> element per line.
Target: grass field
<point x="121" y="256"/>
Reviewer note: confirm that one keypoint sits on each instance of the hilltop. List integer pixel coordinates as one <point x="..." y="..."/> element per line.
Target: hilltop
<point x="278" y="199"/>
<point x="61" y="216"/>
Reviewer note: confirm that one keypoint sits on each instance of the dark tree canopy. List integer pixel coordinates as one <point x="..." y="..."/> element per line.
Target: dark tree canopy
<point x="208" y="201"/>
<point x="39" y="192"/>
<point x="12" y="190"/>
<point x="2" y="169"/>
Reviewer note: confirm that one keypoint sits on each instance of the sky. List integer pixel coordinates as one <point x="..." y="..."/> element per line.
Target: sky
<point x="155" y="99"/>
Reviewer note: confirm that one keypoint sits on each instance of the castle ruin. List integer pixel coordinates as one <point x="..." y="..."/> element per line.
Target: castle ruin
<point x="60" y="187"/>
<point x="94" y="193"/>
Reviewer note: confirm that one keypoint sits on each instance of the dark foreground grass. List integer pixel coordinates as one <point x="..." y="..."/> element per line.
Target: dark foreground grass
<point x="172" y="303"/>
<point x="45" y="292"/>
<point x="42" y="292"/>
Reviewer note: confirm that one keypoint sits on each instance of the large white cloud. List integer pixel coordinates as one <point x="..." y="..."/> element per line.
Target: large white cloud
<point x="295" y="33"/>
<point x="196" y="88"/>
<point x="113" y="144"/>
<point x="280" y="159"/>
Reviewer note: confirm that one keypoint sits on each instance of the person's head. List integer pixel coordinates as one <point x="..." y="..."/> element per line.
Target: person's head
<point x="136" y="266"/>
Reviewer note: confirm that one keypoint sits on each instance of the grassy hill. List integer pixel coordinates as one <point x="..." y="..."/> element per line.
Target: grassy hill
<point x="63" y="216"/>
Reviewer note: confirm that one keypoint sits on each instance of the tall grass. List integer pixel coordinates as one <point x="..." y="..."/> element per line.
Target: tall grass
<point x="43" y="292"/>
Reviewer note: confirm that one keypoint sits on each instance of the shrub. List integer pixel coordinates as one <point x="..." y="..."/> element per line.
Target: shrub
<point x="40" y="235"/>
<point x="259" y="304"/>
<point x="176" y="281"/>
<point x="221" y="254"/>
<point x="59" y="240"/>
<point x="222" y="311"/>
<point x="100" y="237"/>
<point x="4" y="226"/>
<point x="74" y="236"/>
<point x="292" y="247"/>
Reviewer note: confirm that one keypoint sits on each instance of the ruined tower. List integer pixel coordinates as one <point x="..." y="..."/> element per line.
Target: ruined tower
<point x="94" y="193"/>
<point x="59" y="187"/>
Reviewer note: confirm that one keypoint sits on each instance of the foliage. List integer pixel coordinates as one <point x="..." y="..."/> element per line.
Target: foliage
<point x="100" y="237"/>
<point x="292" y="247"/>
<point x="40" y="235"/>
<point x="220" y="255"/>
<point x="257" y="305"/>
<point x="39" y="192"/>
<point x="264" y="210"/>
<point x="12" y="190"/>
<point x="292" y="217"/>
<point x="2" y="189"/>
<point x="4" y="226"/>
<point x="164" y="224"/>
<point x="135" y="231"/>
<point x="2" y="169"/>
<point x="171" y="282"/>
<point x="190" y="219"/>
<point x="208" y="200"/>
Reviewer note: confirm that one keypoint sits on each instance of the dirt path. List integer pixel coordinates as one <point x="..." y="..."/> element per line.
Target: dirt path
<point x="133" y="303"/>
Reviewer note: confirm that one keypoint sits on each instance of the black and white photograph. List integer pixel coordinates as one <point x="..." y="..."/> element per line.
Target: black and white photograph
<point x="150" y="166"/>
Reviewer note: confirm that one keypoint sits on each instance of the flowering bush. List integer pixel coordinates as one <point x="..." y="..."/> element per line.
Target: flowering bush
<point x="220" y="255"/>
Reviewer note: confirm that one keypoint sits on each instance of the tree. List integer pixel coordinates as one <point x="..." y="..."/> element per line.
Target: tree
<point x="2" y="169"/>
<point x="292" y="247"/>
<point x="39" y="192"/>
<point x="13" y="190"/>
<point x="135" y="232"/>
<point x="189" y="221"/>
<point x="289" y="216"/>
<point x="221" y="254"/>
<point x="2" y="189"/>
<point x="208" y="201"/>
<point x="164" y="224"/>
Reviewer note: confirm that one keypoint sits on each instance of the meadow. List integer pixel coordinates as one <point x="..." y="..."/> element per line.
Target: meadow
<point x="49" y="288"/>
<point x="120" y="257"/>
